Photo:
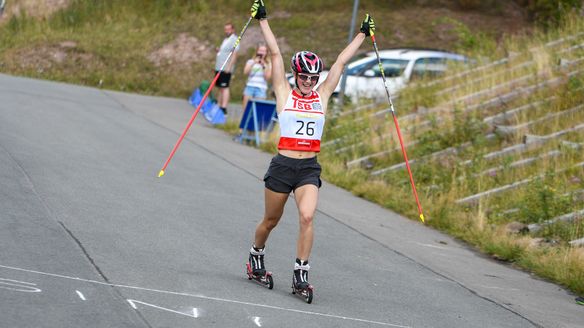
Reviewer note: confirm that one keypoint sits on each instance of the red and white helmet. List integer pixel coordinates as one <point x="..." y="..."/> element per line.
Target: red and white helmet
<point x="306" y="62"/>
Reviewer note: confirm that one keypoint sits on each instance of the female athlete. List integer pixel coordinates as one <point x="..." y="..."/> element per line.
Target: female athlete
<point x="301" y="115"/>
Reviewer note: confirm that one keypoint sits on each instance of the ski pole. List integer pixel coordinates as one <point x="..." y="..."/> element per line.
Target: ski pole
<point x="401" y="141"/>
<point x="161" y="173"/>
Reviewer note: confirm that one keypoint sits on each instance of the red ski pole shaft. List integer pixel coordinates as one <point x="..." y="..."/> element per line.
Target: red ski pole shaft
<point x="184" y="133"/>
<point x="401" y="141"/>
<point x="403" y="148"/>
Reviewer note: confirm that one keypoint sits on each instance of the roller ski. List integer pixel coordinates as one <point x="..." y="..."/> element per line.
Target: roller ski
<point x="256" y="270"/>
<point x="300" y="285"/>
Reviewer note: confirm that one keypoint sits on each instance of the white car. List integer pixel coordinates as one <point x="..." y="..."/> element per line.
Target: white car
<point x="399" y="65"/>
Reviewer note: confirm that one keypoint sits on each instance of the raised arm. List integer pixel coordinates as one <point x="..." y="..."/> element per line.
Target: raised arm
<point x="278" y="71"/>
<point x="327" y="88"/>
<point x="268" y="71"/>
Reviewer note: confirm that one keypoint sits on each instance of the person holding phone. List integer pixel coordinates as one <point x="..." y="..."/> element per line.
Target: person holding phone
<point x="259" y="71"/>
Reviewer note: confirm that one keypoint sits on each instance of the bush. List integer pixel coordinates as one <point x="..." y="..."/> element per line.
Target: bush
<point x="544" y="201"/>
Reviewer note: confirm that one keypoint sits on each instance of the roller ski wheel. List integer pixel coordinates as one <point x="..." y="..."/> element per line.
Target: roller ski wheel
<point x="265" y="280"/>
<point x="304" y="293"/>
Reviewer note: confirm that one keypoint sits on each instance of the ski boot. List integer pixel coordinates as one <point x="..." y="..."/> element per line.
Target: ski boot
<point x="300" y="285"/>
<point x="256" y="270"/>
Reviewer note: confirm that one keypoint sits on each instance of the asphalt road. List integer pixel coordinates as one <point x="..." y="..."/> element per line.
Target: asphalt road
<point x="90" y="237"/>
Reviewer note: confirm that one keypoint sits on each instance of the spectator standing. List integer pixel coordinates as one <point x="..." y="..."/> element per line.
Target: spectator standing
<point x="225" y="76"/>
<point x="259" y="71"/>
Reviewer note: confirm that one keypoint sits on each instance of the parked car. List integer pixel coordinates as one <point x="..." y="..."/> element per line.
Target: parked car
<point x="400" y="67"/>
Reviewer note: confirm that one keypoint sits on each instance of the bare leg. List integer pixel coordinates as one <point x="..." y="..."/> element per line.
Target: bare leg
<point x="245" y="100"/>
<point x="274" y="209"/>
<point x="219" y="96"/>
<point x="306" y="200"/>
<point x="224" y="97"/>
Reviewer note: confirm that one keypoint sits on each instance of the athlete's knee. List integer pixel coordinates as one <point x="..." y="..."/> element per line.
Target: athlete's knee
<point x="306" y="219"/>
<point x="270" y="222"/>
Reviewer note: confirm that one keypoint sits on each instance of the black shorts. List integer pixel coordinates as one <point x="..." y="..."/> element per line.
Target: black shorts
<point x="285" y="174"/>
<point x="223" y="80"/>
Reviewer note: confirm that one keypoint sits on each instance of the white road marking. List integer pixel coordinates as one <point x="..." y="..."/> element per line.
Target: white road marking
<point x="18" y="286"/>
<point x="218" y="299"/>
<point x="134" y="302"/>
<point x="18" y="281"/>
<point x="81" y="296"/>
<point x="257" y="321"/>
<point x="195" y="313"/>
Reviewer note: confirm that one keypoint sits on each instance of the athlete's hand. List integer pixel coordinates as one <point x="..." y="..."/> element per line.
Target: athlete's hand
<point x="368" y="26"/>
<point x="258" y="9"/>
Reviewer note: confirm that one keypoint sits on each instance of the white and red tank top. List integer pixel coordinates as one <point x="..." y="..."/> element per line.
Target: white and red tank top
<point x="301" y="122"/>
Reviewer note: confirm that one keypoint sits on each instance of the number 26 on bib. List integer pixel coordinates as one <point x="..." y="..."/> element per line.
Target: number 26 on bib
<point x="305" y="128"/>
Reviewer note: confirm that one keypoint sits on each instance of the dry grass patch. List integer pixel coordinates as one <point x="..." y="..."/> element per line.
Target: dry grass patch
<point x="183" y="50"/>
<point x="46" y="57"/>
<point x="32" y="8"/>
